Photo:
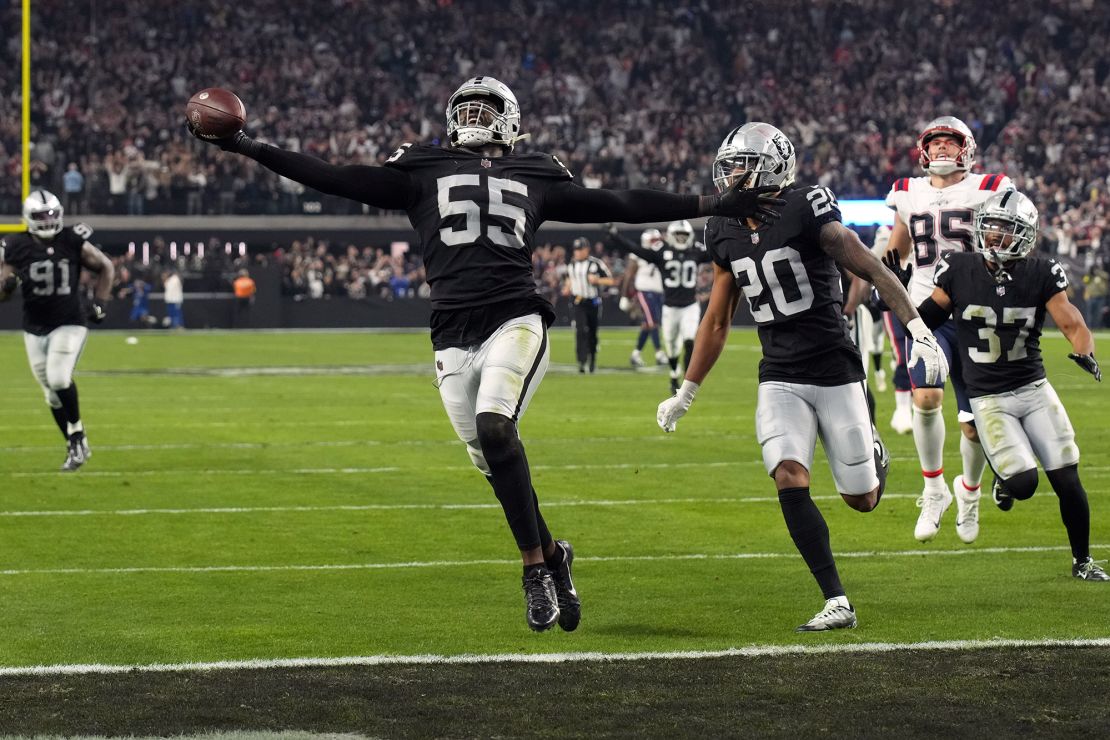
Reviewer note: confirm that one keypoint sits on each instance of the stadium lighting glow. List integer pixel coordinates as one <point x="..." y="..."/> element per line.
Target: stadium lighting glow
<point x="227" y="247"/>
<point x="242" y="249"/>
<point x="200" y="250"/>
<point x="173" y="251"/>
<point x="866" y="213"/>
<point x="186" y="249"/>
<point x="131" y="250"/>
<point x="146" y="253"/>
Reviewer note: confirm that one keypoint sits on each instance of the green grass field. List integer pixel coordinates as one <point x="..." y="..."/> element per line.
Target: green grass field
<point x="302" y="495"/>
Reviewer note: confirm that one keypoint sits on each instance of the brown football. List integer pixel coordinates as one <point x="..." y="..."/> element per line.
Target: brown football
<point x="215" y="113"/>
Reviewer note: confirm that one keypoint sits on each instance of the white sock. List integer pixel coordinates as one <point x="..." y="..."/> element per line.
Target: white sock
<point x="928" y="436"/>
<point x="903" y="400"/>
<point x="975" y="462"/>
<point x="842" y="601"/>
<point x="73" y="427"/>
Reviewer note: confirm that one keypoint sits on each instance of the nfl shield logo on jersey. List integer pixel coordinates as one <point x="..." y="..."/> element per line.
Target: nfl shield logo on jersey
<point x="486" y="163"/>
<point x="755" y="238"/>
<point x="1000" y="289"/>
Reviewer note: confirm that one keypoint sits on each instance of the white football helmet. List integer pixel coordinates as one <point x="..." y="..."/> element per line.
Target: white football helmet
<point x="43" y="213"/>
<point x="948" y="126"/>
<point x="483" y="111"/>
<point x="1006" y="227"/>
<point x="760" y="149"/>
<point x="651" y="239"/>
<point x="680" y="235"/>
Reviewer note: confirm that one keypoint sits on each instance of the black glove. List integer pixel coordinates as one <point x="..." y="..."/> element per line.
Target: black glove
<point x="1088" y="363"/>
<point x="238" y="142"/>
<point x="738" y="202"/>
<point x="894" y="263"/>
<point x="96" y="312"/>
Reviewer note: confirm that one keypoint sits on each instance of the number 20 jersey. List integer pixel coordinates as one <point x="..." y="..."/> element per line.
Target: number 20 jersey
<point x="999" y="322"/>
<point x="940" y="220"/>
<point x="792" y="288"/>
<point x="49" y="271"/>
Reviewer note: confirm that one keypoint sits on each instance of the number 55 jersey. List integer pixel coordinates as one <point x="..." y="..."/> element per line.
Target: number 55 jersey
<point x="940" y="220"/>
<point x="792" y="288"/>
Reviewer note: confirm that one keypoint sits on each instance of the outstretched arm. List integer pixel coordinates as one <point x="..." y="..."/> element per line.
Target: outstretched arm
<point x="623" y="244"/>
<point x="381" y="187"/>
<point x="98" y="262"/>
<point x="575" y="204"/>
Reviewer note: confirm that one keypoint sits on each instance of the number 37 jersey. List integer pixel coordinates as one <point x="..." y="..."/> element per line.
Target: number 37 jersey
<point x="49" y="271"/>
<point x="792" y="288"/>
<point x="940" y="220"/>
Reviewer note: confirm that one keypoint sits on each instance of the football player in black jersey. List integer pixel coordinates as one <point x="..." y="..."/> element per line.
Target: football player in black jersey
<point x="811" y="381"/>
<point x="999" y="297"/>
<point x="476" y="205"/>
<point x="678" y="261"/>
<point x="46" y="262"/>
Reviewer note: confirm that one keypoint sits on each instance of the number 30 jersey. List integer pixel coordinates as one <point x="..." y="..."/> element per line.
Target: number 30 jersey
<point x="999" y="319"/>
<point x="940" y="220"/>
<point x="49" y="271"/>
<point x="792" y="288"/>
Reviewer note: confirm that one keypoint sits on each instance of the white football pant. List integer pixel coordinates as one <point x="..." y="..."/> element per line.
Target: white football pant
<point x="53" y="357"/>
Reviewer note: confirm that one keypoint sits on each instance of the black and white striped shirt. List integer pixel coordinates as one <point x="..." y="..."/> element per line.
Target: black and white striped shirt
<point x="578" y="273"/>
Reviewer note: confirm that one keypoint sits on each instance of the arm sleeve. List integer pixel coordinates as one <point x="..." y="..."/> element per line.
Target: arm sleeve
<point x="382" y="187"/>
<point x="932" y="314"/>
<point x="572" y="203"/>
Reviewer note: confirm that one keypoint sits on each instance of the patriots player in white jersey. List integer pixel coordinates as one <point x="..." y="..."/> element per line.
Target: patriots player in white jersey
<point x="647" y="292"/>
<point x="935" y="214"/>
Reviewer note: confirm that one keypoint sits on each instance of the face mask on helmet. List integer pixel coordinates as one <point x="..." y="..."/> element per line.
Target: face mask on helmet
<point x="1006" y="227"/>
<point x="961" y="160"/>
<point x="680" y="235"/>
<point x="759" y="149"/>
<point x="42" y="212"/>
<point x="651" y="239"/>
<point x="483" y="111"/>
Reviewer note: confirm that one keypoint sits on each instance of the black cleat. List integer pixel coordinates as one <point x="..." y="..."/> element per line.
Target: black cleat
<point x="77" y="452"/>
<point x="570" y="607"/>
<point x="541" y="605"/>
<point x="1089" y="570"/>
<point x="1002" y="499"/>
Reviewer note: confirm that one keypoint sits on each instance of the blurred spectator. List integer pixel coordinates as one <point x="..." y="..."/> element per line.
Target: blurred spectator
<point x="175" y="298"/>
<point x="73" y="185"/>
<point x="1096" y="284"/>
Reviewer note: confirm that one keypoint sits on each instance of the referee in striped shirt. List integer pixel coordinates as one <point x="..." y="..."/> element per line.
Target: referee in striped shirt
<point x="585" y="276"/>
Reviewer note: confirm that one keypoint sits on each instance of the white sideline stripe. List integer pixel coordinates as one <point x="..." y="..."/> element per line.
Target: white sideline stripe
<point x="356" y="470"/>
<point x="491" y="561"/>
<point x="403" y="507"/>
<point x="750" y="651"/>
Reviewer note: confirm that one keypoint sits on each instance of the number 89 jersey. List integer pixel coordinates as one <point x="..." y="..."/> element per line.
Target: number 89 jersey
<point x="792" y="288"/>
<point x="940" y="220"/>
<point x="49" y="272"/>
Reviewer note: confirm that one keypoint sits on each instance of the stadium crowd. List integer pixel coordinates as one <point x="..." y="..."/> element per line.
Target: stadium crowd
<point x="635" y="93"/>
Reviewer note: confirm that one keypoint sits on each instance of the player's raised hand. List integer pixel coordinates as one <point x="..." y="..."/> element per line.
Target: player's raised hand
<point x="675" y="407"/>
<point x="1088" y="363"/>
<point x="894" y="263"/>
<point x="217" y="116"/>
<point x="740" y="202"/>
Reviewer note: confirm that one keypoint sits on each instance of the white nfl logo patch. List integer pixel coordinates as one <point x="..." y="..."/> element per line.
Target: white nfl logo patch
<point x="1000" y="289"/>
<point x="755" y="238"/>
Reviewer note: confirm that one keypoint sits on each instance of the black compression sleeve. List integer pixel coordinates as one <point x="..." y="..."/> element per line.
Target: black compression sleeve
<point x="382" y="187"/>
<point x="578" y="205"/>
<point x="932" y="314"/>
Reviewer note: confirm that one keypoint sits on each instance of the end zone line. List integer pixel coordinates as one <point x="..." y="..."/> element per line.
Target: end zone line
<point x="131" y="570"/>
<point x="750" y="651"/>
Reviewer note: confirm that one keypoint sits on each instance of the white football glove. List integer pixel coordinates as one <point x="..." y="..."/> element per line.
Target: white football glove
<point x="624" y="304"/>
<point x="675" y="407"/>
<point x="926" y="349"/>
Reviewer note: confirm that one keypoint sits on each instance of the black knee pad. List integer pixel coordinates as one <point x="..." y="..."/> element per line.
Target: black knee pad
<point x="496" y="435"/>
<point x="1065" y="481"/>
<point x="1021" y="486"/>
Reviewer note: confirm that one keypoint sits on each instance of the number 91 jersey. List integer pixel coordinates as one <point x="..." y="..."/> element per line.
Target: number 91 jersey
<point x="940" y="220"/>
<point x="999" y="318"/>
<point x="792" y="288"/>
<point x="49" y="272"/>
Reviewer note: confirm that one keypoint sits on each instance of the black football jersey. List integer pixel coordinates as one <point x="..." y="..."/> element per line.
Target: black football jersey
<point x="679" y="270"/>
<point x="792" y="288"/>
<point x="999" y="317"/>
<point x="49" y="273"/>
<point x="476" y="217"/>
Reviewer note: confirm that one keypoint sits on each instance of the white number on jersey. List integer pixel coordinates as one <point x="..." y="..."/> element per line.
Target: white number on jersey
<point x="755" y="279"/>
<point x="1011" y="315"/>
<point x="822" y="200"/>
<point x="497" y="207"/>
<point x="42" y="275"/>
